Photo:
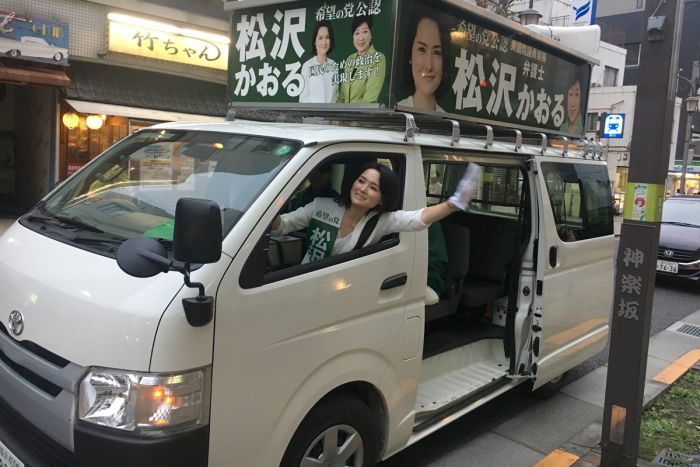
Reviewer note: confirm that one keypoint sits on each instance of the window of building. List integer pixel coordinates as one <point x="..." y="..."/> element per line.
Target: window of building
<point x="79" y="143"/>
<point x="632" y="58"/>
<point x="610" y="76"/>
<point x="640" y="4"/>
<point x="581" y="200"/>
<point x="592" y="122"/>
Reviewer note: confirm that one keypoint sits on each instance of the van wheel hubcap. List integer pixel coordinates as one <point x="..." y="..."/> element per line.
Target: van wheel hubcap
<point x="338" y="446"/>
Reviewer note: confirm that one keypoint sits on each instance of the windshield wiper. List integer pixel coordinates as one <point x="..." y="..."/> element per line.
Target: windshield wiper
<point x="77" y="222"/>
<point x="64" y="221"/>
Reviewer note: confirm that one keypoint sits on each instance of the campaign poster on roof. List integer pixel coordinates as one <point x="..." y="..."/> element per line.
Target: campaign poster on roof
<point x="312" y="52"/>
<point x="25" y="37"/>
<point x="451" y="61"/>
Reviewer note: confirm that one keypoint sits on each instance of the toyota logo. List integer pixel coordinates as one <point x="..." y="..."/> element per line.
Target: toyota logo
<point x="16" y="322"/>
<point x="668" y="253"/>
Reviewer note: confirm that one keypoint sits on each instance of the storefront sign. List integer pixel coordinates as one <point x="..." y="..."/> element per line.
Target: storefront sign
<point x="152" y="39"/>
<point x="34" y="39"/>
<point x="448" y="61"/>
<point x="73" y="167"/>
<point x="693" y="165"/>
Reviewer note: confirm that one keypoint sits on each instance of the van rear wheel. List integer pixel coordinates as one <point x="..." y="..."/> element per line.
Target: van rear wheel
<point x="337" y="432"/>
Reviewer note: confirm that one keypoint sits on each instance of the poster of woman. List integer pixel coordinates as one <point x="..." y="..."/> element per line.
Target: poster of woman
<point x="366" y="68"/>
<point x="425" y="61"/>
<point x="320" y="72"/>
<point x="573" y="123"/>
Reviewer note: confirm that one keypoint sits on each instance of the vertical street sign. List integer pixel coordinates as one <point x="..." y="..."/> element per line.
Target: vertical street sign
<point x="636" y="261"/>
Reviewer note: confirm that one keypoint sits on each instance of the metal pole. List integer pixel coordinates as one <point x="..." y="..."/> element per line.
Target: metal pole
<point x="636" y="258"/>
<point x="689" y="125"/>
<point x="686" y="148"/>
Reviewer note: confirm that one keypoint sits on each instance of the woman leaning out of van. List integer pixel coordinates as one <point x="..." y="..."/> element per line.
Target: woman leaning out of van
<point x="335" y="225"/>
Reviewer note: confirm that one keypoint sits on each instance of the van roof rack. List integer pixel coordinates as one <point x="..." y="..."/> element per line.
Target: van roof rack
<point x="412" y="124"/>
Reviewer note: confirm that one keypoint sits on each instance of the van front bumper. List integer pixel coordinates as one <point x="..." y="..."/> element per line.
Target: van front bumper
<point x="95" y="446"/>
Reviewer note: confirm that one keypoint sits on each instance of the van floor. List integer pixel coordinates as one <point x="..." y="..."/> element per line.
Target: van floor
<point x="455" y="331"/>
<point x="453" y="376"/>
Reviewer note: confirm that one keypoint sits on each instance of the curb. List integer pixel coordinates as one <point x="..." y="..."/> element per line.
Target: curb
<point x="578" y="455"/>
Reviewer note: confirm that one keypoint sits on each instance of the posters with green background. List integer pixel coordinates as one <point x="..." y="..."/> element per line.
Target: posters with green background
<point x="272" y="57"/>
<point x="448" y="61"/>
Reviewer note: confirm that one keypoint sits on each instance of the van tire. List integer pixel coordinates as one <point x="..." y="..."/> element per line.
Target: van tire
<point x="344" y="416"/>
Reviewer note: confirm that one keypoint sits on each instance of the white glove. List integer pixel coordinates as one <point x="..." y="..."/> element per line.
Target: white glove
<point x="466" y="188"/>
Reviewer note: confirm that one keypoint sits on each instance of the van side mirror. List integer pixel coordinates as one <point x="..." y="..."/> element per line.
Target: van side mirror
<point x="196" y="240"/>
<point x="197" y="237"/>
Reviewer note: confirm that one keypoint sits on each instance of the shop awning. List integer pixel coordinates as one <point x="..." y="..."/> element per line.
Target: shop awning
<point x="38" y="76"/>
<point x="138" y="112"/>
<point x="144" y="91"/>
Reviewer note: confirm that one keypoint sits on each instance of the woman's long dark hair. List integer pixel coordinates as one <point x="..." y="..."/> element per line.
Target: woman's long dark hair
<point x="388" y="187"/>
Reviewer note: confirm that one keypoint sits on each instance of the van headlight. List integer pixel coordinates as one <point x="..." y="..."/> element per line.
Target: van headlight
<point x="145" y="403"/>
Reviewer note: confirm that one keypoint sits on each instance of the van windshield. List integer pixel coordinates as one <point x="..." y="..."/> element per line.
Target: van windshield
<point x="132" y="189"/>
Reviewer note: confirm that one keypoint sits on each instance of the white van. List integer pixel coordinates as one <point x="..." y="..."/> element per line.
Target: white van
<point x="261" y="360"/>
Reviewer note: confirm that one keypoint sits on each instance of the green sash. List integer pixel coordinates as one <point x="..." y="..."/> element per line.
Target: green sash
<point x="320" y="238"/>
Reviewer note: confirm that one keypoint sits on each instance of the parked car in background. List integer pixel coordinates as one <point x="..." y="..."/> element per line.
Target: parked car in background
<point x="679" y="241"/>
<point x="31" y="46"/>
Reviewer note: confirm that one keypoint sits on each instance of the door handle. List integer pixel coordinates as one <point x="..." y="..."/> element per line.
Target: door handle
<point x="394" y="281"/>
<point x="553" y="256"/>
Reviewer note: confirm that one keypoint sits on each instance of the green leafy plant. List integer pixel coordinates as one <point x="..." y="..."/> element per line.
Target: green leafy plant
<point x="673" y="421"/>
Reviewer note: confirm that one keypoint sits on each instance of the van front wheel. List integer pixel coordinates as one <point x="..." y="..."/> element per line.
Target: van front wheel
<point x="336" y="432"/>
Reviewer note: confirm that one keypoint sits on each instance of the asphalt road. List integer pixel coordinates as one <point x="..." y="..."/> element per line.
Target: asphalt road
<point x="672" y="302"/>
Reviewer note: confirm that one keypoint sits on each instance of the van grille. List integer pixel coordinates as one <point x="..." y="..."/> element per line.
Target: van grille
<point x="31" y="377"/>
<point x="39" y="351"/>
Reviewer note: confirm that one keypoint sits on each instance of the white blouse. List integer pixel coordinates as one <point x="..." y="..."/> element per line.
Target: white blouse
<point x="320" y="85"/>
<point x="389" y="222"/>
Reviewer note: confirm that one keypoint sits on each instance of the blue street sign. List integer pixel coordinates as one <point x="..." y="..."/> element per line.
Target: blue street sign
<point x="613" y="125"/>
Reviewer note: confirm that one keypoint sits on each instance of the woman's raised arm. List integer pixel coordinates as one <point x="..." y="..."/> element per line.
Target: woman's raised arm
<point x="459" y="201"/>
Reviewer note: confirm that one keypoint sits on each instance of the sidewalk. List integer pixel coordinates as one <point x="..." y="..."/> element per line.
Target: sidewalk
<point x="671" y="353"/>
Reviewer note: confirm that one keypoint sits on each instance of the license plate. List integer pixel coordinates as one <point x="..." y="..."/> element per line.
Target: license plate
<point x="7" y="459"/>
<point x="666" y="266"/>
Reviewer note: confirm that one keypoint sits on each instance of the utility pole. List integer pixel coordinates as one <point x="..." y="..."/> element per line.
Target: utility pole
<point x="639" y="240"/>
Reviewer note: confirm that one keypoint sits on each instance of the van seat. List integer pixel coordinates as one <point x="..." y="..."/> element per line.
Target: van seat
<point x="491" y="250"/>
<point x="457" y="244"/>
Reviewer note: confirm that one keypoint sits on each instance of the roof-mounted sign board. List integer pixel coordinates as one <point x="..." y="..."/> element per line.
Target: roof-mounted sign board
<point x="430" y="56"/>
<point x="34" y="39"/>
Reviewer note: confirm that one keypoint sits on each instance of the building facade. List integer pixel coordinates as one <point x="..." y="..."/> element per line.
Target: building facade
<point x="630" y="17"/>
<point x="77" y="76"/>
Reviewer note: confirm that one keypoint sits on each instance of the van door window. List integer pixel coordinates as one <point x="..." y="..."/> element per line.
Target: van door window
<point x="499" y="193"/>
<point x="283" y="255"/>
<point x="581" y="200"/>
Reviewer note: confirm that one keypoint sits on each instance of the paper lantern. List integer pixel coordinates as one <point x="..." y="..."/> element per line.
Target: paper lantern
<point x="94" y="122"/>
<point x="70" y="120"/>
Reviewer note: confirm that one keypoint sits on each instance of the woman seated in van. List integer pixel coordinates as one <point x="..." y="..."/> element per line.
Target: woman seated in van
<point x="335" y="226"/>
